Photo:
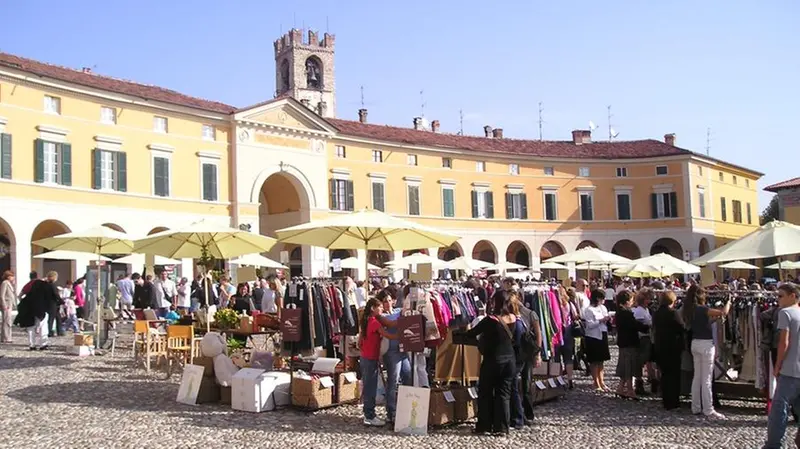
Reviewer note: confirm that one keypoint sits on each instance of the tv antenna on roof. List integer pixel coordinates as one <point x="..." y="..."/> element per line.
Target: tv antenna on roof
<point x="422" y="101"/>
<point x="611" y="133"/>
<point x="461" y="122"/>
<point x="708" y="141"/>
<point x="541" y="121"/>
<point x="362" y="97"/>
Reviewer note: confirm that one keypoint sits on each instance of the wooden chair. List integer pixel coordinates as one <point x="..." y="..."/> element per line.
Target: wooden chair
<point x="147" y="343"/>
<point x="180" y="346"/>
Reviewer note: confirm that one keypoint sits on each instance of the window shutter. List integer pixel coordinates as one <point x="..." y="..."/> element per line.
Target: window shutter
<point x="66" y="164"/>
<point x="673" y="204"/>
<point x="523" y="199"/>
<point x="5" y="156"/>
<point x="121" y="160"/>
<point x="160" y="176"/>
<point x="332" y="188"/>
<point x="509" y="206"/>
<point x="474" y="204"/>
<point x="654" y="204"/>
<point x="489" y="204"/>
<point x="38" y="150"/>
<point x="97" y="176"/>
<point x="548" y="207"/>
<point x="209" y="182"/>
<point x="350" y="198"/>
<point x="589" y="201"/>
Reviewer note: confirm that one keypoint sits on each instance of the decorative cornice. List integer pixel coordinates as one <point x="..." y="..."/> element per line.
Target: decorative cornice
<point x="109" y="139"/>
<point x="209" y="154"/>
<point x="161" y="147"/>
<point x="52" y="129"/>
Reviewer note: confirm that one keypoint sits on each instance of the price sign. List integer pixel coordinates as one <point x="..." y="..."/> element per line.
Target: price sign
<point x="448" y="396"/>
<point x="350" y="377"/>
<point x="552" y="382"/>
<point x="326" y="382"/>
<point x="540" y="385"/>
<point x="561" y="380"/>
<point x="337" y="265"/>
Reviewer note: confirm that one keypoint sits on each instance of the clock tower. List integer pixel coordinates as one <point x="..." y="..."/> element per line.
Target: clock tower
<point x="304" y="70"/>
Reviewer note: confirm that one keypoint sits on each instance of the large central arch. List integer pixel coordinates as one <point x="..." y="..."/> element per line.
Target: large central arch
<point x="283" y="201"/>
<point x="64" y="268"/>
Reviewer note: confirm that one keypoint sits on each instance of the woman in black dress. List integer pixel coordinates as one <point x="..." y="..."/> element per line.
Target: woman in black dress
<point x="628" y="329"/>
<point x="668" y="332"/>
<point x="498" y="366"/>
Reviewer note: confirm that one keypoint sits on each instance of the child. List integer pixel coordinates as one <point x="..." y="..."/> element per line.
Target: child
<point x="71" y="315"/>
<point x="371" y="334"/>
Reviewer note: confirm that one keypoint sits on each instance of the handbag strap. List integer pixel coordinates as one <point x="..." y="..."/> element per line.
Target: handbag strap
<point x="504" y="326"/>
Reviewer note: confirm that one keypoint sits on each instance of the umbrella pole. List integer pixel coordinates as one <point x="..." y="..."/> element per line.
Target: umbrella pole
<point x="206" y="286"/>
<point x="780" y="269"/>
<point x="98" y="305"/>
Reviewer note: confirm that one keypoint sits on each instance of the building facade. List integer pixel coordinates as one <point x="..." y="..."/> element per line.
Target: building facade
<point x="291" y="160"/>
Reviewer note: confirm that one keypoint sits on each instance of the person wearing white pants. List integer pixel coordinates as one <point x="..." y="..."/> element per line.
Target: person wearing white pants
<point x="697" y="317"/>
<point x="38" y="334"/>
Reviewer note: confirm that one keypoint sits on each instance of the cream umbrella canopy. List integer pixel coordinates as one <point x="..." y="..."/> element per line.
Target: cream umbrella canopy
<point x="739" y="265"/>
<point x="465" y="263"/>
<point x="351" y="263"/>
<point x="668" y="264"/>
<point x="592" y="256"/>
<point x="784" y="265"/>
<point x="367" y="230"/>
<point x="552" y="266"/>
<point x="135" y="259"/>
<point x="69" y="255"/>
<point x="505" y="266"/>
<point x="418" y="259"/>
<point x="257" y="260"/>
<point x="97" y="241"/>
<point x="640" y="270"/>
<point x="774" y="239"/>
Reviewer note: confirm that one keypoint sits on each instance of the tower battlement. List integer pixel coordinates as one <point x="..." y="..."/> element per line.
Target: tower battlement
<point x="294" y="38"/>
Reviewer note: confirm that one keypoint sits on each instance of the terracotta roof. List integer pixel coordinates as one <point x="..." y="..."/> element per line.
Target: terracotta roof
<point x="107" y="83"/>
<point x="632" y="149"/>
<point x="788" y="184"/>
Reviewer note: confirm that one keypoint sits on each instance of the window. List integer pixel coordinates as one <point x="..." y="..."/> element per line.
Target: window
<point x="550" y="206"/>
<point x="341" y="152"/>
<point x="701" y="202"/>
<point x="721" y="177"/>
<point x="549" y="171"/>
<point x="210" y="182"/>
<point x="662" y="170"/>
<point x="749" y="215"/>
<point x="53" y="162"/>
<point x="413" y="199"/>
<point x="723" y="209"/>
<point x="52" y="104"/>
<point x="623" y="206"/>
<point x="377" y="156"/>
<point x="160" y="124"/>
<point x="108" y="115"/>
<point x="664" y="205"/>
<point x="480" y="166"/>
<point x="587" y="210"/>
<point x="583" y="172"/>
<point x="378" y="196"/>
<point x="447" y="162"/>
<point x="516" y="206"/>
<point x="482" y="204"/>
<point x="209" y="132"/>
<point x="622" y="172"/>
<point x="161" y="176"/>
<point x="411" y="159"/>
<point x="735" y="180"/>
<point x="737" y="211"/>
<point x="342" y="194"/>
<point x="747" y="183"/>
<point x="513" y="169"/>
<point x="448" y="202"/>
<point x="700" y="170"/>
<point x="110" y="170"/>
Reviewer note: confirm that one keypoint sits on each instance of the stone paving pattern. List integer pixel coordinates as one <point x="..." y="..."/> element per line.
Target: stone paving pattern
<point x="54" y="400"/>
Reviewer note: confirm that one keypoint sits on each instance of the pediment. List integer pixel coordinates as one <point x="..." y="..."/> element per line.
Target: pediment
<point x="285" y="113"/>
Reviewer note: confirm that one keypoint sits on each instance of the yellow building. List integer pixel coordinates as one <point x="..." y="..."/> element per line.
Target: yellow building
<point x="290" y="160"/>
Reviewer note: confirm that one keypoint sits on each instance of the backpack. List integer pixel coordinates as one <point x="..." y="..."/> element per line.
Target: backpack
<point x="527" y="348"/>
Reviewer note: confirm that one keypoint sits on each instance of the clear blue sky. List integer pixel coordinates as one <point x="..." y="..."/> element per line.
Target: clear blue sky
<point x="673" y="66"/>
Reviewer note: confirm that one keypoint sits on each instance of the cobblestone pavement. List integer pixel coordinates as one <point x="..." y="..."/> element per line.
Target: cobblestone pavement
<point x="53" y="400"/>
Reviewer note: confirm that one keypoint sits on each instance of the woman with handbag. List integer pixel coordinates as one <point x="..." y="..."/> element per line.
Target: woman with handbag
<point x="596" y="340"/>
<point x="497" y="367"/>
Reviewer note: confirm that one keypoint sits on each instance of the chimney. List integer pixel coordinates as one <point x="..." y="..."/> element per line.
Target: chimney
<point x="322" y="108"/>
<point x="487" y="131"/>
<point x="86" y="70"/>
<point x="418" y="123"/>
<point x="497" y="133"/>
<point x="669" y="139"/>
<point x="435" y="126"/>
<point x="362" y="115"/>
<point x="581" y="136"/>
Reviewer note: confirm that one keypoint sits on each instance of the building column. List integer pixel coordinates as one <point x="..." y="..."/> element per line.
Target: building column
<point x="434" y="252"/>
<point x="315" y="261"/>
<point x="361" y="255"/>
<point x="397" y="274"/>
<point x="21" y="254"/>
<point x="187" y="269"/>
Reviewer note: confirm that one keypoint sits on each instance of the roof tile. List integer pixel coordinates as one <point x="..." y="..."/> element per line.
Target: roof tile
<point x="788" y="184"/>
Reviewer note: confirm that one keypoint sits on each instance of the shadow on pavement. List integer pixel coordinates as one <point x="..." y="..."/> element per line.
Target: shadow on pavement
<point x="14" y="363"/>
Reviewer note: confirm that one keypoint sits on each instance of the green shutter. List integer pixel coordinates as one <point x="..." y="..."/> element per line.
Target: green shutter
<point x="332" y="187"/>
<point x="66" y="164"/>
<point x="673" y="204"/>
<point x="447" y="203"/>
<point x="5" y="156"/>
<point x="654" y="204"/>
<point x="509" y="206"/>
<point x="350" y="197"/>
<point x="475" y="204"/>
<point x="723" y="209"/>
<point x="489" y="204"/>
<point x="377" y="196"/>
<point x="122" y="171"/>
<point x="523" y="199"/>
<point x="209" y="182"/>
<point x="38" y="152"/>
<point x="97" y="174"/>
<point x="160" y="173"/>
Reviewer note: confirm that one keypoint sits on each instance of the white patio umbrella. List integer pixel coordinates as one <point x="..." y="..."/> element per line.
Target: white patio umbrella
<point x="668" y="264"/>
<point x="640" y="270"/>
<point x="552" y="266"/>
<point x="506" y="265"/>
<point x="593" y="256"/>
<point x="257" y="260"/>
<point x="785" y="265"/>
<point x="138" y="259"/>
<point x="419" y="259"/>
<point x="69" y="255"/>
<point x="352" y="263"/>
<point x="466" y="263"/>
<point x="739" y="265"/>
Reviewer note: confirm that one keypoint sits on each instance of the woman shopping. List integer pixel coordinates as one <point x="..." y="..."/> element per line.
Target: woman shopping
<point x="596" y="340"/>
<point x="698" y="319"/>
<point x="371" y="334"/>
<point x="498" y="366"/>
<point x="668" y="333"/>
<point x="628" y="329"/>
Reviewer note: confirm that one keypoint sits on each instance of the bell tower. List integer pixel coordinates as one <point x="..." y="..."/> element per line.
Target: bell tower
<point x="304" y="70"/>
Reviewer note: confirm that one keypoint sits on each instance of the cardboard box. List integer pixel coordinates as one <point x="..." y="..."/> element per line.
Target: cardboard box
<point x="209" y="391"/>
<point x="302" y="386"/>
<point x="83" y="340"/>
<point x="225" y="395"/>
<point x="247" y="386"/>
<point x="207" y="363"/>
<point x="346" y="387"/>
<point x="282" y="392"/>
<point x="322" y="398"/>
<point x="442" y="408"/>
<point x="81" y="351"/>
<point x="466" y="405"/>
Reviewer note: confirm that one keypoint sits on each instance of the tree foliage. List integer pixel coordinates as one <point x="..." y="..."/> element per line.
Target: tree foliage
<point x="772" y="212"/>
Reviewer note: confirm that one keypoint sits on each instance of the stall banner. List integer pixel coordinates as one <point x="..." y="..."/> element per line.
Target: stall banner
<point x="190" y="384"/>
<point x="411" y="330"/>
<point x="292" y="325"/>
<point x="413" y="404"/>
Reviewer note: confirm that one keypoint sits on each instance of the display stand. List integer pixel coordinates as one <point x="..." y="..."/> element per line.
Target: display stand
<point x="547" y="383"/>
